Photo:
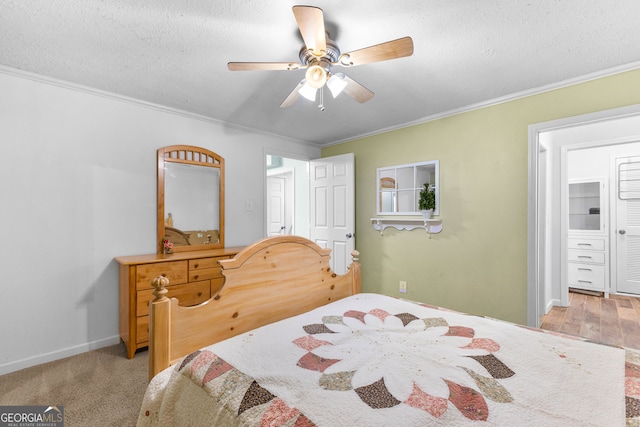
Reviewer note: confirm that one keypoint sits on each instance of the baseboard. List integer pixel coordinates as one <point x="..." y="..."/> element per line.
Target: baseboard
<point x="551" y="304"/>
<point x="56" y="355"/>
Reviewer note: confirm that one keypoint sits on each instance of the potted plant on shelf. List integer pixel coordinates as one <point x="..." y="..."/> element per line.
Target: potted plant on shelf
<point x="427" y="201"/>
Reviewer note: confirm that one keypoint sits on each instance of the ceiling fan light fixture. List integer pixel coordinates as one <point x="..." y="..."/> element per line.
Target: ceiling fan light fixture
<point x="336" y="84"/>
<point x="308" y="92"/>
<point x="319" y="54"/>
<point x="316" y="76"/>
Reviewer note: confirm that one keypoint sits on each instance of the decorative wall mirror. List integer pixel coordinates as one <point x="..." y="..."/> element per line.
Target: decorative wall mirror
<point x="398" y="187"/>
<point x="190" y="199"/>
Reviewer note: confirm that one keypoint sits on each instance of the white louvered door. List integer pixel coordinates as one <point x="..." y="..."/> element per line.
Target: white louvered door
<point x="627" y="232"/>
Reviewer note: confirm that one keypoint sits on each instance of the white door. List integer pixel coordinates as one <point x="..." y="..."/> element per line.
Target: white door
<point x="275" y="205"/>
<point x="627" y="229"/>
<point x="332" y="207"/>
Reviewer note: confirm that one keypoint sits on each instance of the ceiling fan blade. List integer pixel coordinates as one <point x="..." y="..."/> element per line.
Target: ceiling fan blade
<point x="311" y="23"/>
<point x="264" y="66"/>
<point x="381" y="52"/>
<point x="293" y="96"/>
<point x="357" y="91"/>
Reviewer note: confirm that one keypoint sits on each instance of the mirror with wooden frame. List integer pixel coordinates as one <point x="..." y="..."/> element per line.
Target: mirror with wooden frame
<point x="190" y="199"/>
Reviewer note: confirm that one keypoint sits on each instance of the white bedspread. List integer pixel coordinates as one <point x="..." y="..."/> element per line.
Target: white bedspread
<point x="372" y="360"/>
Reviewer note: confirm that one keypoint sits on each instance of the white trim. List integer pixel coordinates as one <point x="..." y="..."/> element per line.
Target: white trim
<point x="500" y="100"/>
<point x="56" y="355"/>
<point x="533" y="281"/>
<point x="564" y="225"/>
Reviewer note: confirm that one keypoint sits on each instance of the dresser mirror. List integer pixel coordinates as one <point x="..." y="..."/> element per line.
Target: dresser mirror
<point x="190" y="199"/>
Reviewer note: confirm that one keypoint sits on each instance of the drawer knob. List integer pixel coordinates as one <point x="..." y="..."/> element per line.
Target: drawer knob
<point x="621" y="231"/>
<point x="196" y="265"/>
<point x="196" y="277"/>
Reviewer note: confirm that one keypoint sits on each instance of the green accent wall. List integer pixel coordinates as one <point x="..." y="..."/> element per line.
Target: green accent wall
<point x="478" y="263"/>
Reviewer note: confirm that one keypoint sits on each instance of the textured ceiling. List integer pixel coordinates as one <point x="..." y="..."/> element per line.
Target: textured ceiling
<point x="174" y="53"/>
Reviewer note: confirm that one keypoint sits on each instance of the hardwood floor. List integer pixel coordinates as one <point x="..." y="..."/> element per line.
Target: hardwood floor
<point x="614" y="320"/>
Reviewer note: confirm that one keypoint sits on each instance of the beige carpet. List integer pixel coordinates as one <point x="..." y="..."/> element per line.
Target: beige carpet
<point x="98" y="388"/>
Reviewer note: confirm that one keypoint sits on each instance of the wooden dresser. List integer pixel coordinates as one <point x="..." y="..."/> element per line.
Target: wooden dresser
<point x="194" y="277"/>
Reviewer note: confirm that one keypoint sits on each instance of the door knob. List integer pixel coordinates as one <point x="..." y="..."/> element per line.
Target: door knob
<point x="621" y="231"/>
<point x="349" y="235"/>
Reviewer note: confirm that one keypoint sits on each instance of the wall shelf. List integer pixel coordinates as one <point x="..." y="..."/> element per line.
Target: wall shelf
<point x="433" y="225"/>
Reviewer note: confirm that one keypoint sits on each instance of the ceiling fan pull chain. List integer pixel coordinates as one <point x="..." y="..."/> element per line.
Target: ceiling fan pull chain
<point x="321" y="105"/>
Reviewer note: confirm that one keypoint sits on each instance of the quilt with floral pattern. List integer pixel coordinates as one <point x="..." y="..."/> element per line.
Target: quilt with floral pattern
<point x="373" y="360"/>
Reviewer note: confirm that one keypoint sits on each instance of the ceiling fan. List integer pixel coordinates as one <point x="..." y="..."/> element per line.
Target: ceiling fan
<point x="320" y="54"/>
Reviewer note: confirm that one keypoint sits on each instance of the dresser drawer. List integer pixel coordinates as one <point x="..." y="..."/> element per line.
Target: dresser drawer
<point x="204" y="263"/>
<point x="187" y="294"/>
<point x="175" y="271"/>
<point x="577" y="255"/>
<point x="586" y="244"/>
<point x="204" y="274"/>
<point x="586" y="276"/>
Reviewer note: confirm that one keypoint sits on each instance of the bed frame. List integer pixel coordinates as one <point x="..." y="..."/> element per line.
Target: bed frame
<point x="270" y="280"/>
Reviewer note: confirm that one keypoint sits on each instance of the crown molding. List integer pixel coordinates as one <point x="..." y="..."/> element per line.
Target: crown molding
<point x="16" y="72"/>
<point x="484" y="104"/>
<point x="500" y="100"/>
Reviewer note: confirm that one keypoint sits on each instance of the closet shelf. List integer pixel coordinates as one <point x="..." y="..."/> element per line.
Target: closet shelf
<point x="433" y="225"/>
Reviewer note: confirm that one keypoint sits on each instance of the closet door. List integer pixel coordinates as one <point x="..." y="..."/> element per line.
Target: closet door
<point x="628" y="224"/>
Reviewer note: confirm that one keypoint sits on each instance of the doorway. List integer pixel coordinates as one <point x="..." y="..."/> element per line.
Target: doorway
<point x="547" y="193"/>
<point x="313" y="199"/>
<point x="280" y="203"/>
<point x="287" y="196"/>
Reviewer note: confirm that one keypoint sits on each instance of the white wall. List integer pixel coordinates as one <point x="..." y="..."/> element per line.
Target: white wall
<point x="596" y="162"/>
<point x="78" y="188"/>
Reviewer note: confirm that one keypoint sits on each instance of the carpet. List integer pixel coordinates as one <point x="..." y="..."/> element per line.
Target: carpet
<point x="97" y="388"/>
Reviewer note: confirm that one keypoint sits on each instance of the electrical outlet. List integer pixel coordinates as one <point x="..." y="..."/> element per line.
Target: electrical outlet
<point x="403" y="286"/>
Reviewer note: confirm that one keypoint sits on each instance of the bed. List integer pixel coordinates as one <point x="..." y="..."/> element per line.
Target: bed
<point x="297" y="345"/>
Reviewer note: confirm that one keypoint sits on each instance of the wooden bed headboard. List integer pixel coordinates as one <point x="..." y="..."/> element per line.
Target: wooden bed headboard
<point x="270" y="280"/>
